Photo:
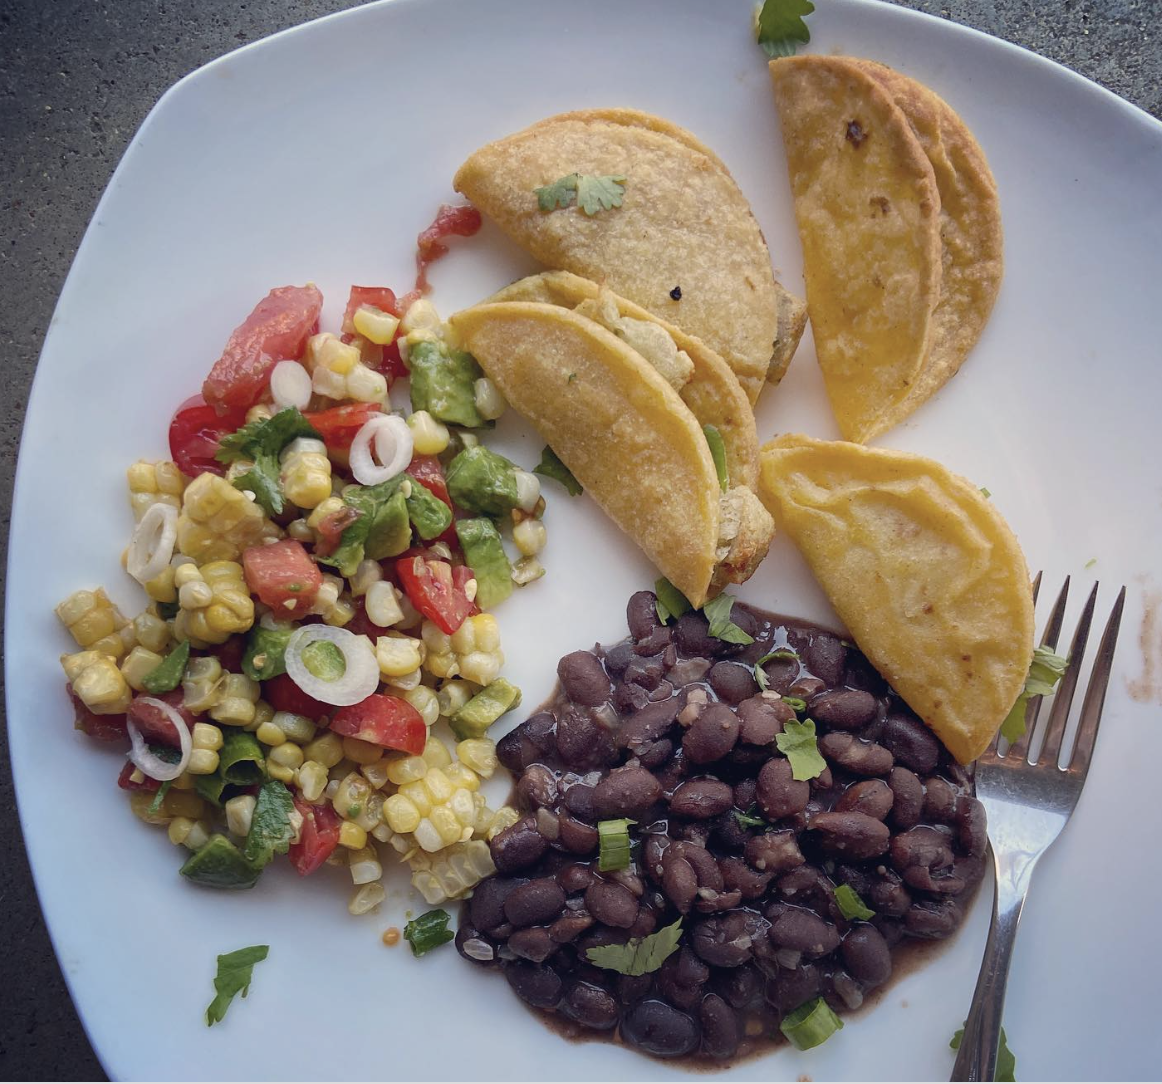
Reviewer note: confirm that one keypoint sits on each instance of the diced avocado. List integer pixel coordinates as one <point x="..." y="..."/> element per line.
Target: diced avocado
<point x="391" y="530"/>
<point x="219" y="864"/>
<point x="443" y="383"/>
<point x="167" y="675"/>
<point x="240" y="759"/>
<point x="488" y="705"/>
<point x="483" y="482"/>
<point x="430" y="516"/>
<point x="484" y="554"/>
<point x="265" y="655"/>
<point x="210" y="788"/>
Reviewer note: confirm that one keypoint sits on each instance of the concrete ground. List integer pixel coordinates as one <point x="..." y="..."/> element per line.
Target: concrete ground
<point x="76" y="79"/>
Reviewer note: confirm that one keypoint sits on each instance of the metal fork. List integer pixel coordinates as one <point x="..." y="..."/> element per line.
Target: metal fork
<point x="1028" y="799"/>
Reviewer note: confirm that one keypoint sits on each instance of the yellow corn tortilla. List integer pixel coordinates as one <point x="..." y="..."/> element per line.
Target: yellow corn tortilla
<point x="971" y="237"/>
<point x="923" y="571"/>
<point x="868" y="213"/>
<point x="683" y="223"/>
<point x="626" y="436"/>
<point x="712" y="391"/>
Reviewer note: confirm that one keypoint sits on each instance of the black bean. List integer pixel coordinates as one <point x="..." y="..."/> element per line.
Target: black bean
<point x="659" y="1029"/>
<point x="686" y="671"/>
<point x="576" y="836"/>
<point x="807" y="886"/>
<point x="579" y="801"/>
<point x="910" y="742"/>
<point x="628" y="698"/>
<point x="857" y="757"/>
<point x="680" y="880"/>
<point x="921" y="846"/>
<point x="732" y="681"/>
<point x="788" y="989"/>
<point x="534" y="903"/>
<point x="823" y="781"/>
<point x="727" y="833"/>
<point x="682" y="978"/>
<point x="935" y="919"/>
<point x="645" y="673"/>
<point x="774" y="852"/>
<point x="584" y="678"/>
<point x="971" y="827"/>
<point x="701" y="799"/>
<point x="582" y="742"/>
<point x="803" y="931"/>
<point x="518" y="846"/>
<point x="712" y="735"/>
<point x="632" y="988"/>
<point x="645" y="923"/>
<point x="569" y="927"/>
<point x="611" y="903"/>
<point x="486" y="907"/>
<point x="761" y="719"/>
<point x="618" y="657"/>
<point x="737" y="874"/>
<point x="627" y="792"/>
<point x="781" y="674"/>
<point x="744" y="792"/>
<point x="656" y="754"/>
<point x="534" y="944"/>
<point x="528" y="743"/>
<point x="471" y="943"/>
<point x="725" y="940"/>
<point x="778" y="793"/>
<point x="825" y="656"/>
<point x="740" y="987"/>
<point x="641" y="614"/>
<point x="652" y="722"/>
<point x="693" y="636"/>
<point x="844" y="709"/>
<point x="850" y="835"/>
<point x="575" y="877"/>
<point x="655" y="643"/>
<point x="866" y="955"/>
<point x="536" y="788"/>
<point x="538" y="985"/>
<point x="871" y="796"/>
<point x="888" y="896"/>
<point x="721" y="1029"/>
<point x="907" y="797"/>
<point x="589" y="1005"/>
<point x="940" y="798"/>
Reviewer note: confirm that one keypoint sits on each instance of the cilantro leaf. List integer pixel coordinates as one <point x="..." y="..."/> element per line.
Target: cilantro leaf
<point x="1045" y="671"/>
<point x="750" y="819"/>
<point x="850" y="905"/>
<point x="779" y="26"/>
<point x="717" y="612"/>
<point x="551" y="466"/>
<point x="262" y="479"/>
<point x="159" y="797"/>
<point x="592" y="194"/>
<point x="271" y="831"/>
<point x="670" y="601"/>
<point x="235" y="970"/>
<point x="267" y="436"/>
<point x="639" y="955"/>
<point x="1006" y="1060"/>
<point x="760" y="675"/>
<point x="797" y="744"/>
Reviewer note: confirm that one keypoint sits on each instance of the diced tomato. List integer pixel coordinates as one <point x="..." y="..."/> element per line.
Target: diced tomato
<point x="282" y="694"/>
<point x="194" y="435"/>
<point x="461" y="574"/>
<point x="154" y="724"/>
<point x="383" y="720"/>
<point x="317" y="839"/>
<point x="362" y="625"/>
<point x="331" y="528"/>
<point x="126" y="783"/>
<point x="98" y="727"/>
<point x="427" y="469"/>
<point x="378" y="297"/>
<point x="278" y="328"/>
<point x="458" y="221"/>
<point x="392" y="365"/>
<point x="338" y="425"/>
<point x="283" y="577"/>
<point x="432" y="590"/>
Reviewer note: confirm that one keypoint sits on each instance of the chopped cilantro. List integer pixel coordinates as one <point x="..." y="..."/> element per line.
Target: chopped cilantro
<point x="260" y="442"/>
<point x="717" y="612"/>
<point x="235" y="970"/>
<point x="639" y="955"/>
<point x="592" y="194"/>
<point x="797" y="744"/>
<point x="551" y="466"/>
<point x="1045" y="671"/>
<point x="749" y="819"/>
<point x="780" y="28"/>
<point x="270" y="827"/>
<point x="850" y="905"/>
<point x="671" y="602"/>
<point x="760" y="675"/>
<point x="1006" y="1061"/>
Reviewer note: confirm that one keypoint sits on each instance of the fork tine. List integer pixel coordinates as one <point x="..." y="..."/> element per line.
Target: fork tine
<point x="1052" y="632"/>
<point x="1036" y="587"/>
<point x="1095" y="694"/>
<point x="1063" y="701"/>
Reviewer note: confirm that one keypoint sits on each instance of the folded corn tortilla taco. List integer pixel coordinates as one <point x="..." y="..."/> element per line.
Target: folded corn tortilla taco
<point x="618" y="424"/>
<point x="923" y="571"/>
<point x="701" y="378"/>
<point x="682" y="242"/>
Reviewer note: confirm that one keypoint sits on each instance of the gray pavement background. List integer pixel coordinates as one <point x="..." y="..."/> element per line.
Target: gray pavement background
<point x="76" y="79"/>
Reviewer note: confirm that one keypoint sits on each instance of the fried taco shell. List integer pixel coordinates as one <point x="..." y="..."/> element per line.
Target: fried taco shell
<point x="923" y="571"/>
<point x="623" y="431"/>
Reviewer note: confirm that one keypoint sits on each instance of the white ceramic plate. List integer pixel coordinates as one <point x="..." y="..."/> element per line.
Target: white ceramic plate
<point x="318" y="154"/>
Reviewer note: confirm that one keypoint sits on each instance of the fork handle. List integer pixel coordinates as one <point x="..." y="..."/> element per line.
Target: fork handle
<point x="977" y="1057"/>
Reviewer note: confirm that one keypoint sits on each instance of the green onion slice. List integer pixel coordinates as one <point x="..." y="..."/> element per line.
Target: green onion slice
<point x="810" y="1024"/>
<point x="850" y="905"/>
<point x="613" y="840"/>
<point x="795" y="703"/>
<point x="427" y="932"/>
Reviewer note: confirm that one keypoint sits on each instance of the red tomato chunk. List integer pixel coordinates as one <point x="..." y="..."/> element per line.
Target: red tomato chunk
<point x="383" y="720"/>
<point x="338" y="425"/>
<point x="283" y="577"/>
<point x="154" y="724"/>
<point x="282" y="694"/>
<point x="450" y="221"/>
<point x="377" y="297"/>
<point x="277" y="329"/>
<point x="318" y="838"/>
<point x="195" y="433"/>
<point x="434" y="592"/>
<point x="126" y="782"/>
<point x="98" y="727"/>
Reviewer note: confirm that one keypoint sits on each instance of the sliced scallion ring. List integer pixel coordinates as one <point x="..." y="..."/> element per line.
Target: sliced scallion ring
<point x="151" y="546"/>
<point x="393" y="448"/>
<point x="150" y="763"/>
<point x="811" y="1024"/>
<point x="358" y="680"/>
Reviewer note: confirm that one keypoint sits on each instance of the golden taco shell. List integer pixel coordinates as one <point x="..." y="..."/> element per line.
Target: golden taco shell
<point x="923" y="571"/>
<point x="627" y="437"/>
<point x="868" y="213"/>
<point x="683" y="226"/>
<point x="710" y="390"/>
<point x="971" y="237"/>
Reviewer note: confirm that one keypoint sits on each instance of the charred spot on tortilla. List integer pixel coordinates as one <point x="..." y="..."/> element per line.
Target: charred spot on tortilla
<point x="676" y="293"/>
<point x="855" y="133"/>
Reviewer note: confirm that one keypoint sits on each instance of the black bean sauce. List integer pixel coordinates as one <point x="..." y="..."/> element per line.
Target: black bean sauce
<point x="671" y="729"/>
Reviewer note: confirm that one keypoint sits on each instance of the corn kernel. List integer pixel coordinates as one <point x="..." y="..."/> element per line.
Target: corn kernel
<point x="202" y="762"/>
<point x="151" y="631"/>
<point x="529" y="536"/>
<point x="352" y="836"/>
<point x="311" y="779"/>
<point x="263" y="713"/>
<point x="366" y="898"/>
<point x="453" y="695"/>
<point x="326" y="749"/>
<point x="462" y="777"/>
<point x="376" y="772"/>
<point x="406" y="682"/>
<point x="406" y="769"/>
<point x="179" y="830"/>
<point x="280" y="772"/>
<point x="237" y="698"/>
<point x="436" y="754"/>
<point x="479" y="754"/>
<point x="361" y="752"/>
<point x="505" y="817"/>
<point x="438" y="785"/>
<point x="271" y="734"/>
<point x="424" y="700"/>
<point x="206" y="736"/>
<point x="382" y="603"/>
<point x="239" y="813"/>
<point x="161" y="587"/>
<point x="417" y="794"/>
<point x="420" y="316"/>
<point x="481" y="667"/>
<point x="183" y="803"/>
<point x="429" y="436"/>
<point x="139" y="803"/>
<point x="366" y="574"/>
<point x="364" y="866"/>
<point x="375" y="324"/>
<point x="217" y="522"/>
<point x="287" y="755"/>
<point x="398" y="656"/>
<point x="138" y="664"/>
<point x="101" y="687"/>
<point x="490" y="404"/>
<point x="260" y="412"/>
